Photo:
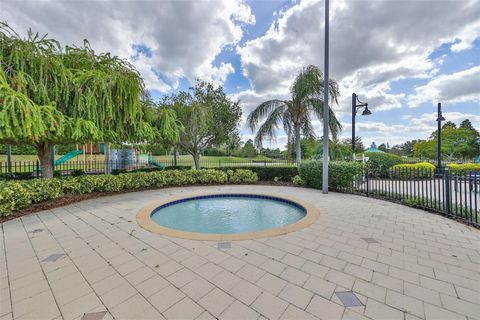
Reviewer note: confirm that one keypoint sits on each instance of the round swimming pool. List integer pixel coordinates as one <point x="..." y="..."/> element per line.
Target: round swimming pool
<point x="228" y="213"/>
<point x="226" y="216"/>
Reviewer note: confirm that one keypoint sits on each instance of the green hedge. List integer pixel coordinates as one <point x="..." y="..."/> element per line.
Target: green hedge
<point x="269" y="173"/>
<point x="17" y="195"/>
<point x="465" y="167"/>
<point x="381" y="162"/>
<point x="413" y="170"/>
<point x="341" y="174"/>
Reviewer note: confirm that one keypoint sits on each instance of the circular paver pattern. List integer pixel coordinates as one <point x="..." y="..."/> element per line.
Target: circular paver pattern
<point x="92" y="260"/>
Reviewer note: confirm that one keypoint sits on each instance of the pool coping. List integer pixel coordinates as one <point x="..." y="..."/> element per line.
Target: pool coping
<point x="145" y="221"/>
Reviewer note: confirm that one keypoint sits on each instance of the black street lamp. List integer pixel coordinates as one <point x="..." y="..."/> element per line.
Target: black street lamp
<point x="440" y="118"/>
<point x="365" y="112"/>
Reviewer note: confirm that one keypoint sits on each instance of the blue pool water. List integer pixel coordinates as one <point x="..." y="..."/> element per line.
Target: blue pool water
<point x="228" y="214"/>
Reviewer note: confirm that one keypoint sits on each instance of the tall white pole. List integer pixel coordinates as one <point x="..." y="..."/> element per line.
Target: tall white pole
<point x="326" y="112"/>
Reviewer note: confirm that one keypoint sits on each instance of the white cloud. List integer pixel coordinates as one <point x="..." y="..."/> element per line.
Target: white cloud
<point x="413" y="127"/>
<point x="457" y="87"/>
<point x="372" y="44"/>
<point x="184" y="36"/>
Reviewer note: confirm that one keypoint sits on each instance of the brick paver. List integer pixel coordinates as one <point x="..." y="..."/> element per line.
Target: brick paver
<point x="91" y="256"/>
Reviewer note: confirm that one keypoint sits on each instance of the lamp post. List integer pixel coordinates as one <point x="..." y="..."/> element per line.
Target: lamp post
<point x="478" y="159"/>
<point x="440" y="118"/>
<point x="356" y="103"/>
<point x="326" y="110"/>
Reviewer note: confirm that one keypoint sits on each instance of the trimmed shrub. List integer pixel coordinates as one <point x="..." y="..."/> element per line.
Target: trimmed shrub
<point x="16" y="195"/>
<point x="178" y="168"/>
<point x="147" y="169"/>
<point x="464" y="167"/>
<point x="77" y="173"/>
<point x="380" y="162"/>
<point x="242" y="176"/>
<point x="42" y="190"/>
<point x="118" y="171"/>
<point x="298" y="181"/>
<point x="413" y="170"/>
<point x="341" y="174"/>
<point x="269" y="173"/>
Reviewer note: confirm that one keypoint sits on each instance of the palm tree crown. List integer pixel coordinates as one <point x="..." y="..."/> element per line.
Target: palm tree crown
<point x="295" y="115"/>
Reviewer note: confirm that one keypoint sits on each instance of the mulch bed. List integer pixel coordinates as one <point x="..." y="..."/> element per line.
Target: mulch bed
<point x="73" y="198"/>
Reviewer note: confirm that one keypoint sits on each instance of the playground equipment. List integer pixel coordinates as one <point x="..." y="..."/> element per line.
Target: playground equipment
<point x="128" y="158"/>
<point x="69" y="156"/>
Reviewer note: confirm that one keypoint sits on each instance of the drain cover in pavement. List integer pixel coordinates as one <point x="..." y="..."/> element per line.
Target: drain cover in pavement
<point x="349" y="299"/>
<point x="224" y="245"/>
<point x="370" y="240"/>
<point x="53" y="257"/>
<point x="94" y="315"/>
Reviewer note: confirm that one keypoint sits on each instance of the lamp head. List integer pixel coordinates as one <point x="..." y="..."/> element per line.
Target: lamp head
<point x="366" y="112"/>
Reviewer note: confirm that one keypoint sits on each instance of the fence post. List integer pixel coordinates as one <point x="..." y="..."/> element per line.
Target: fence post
<point x="366" y="180"/>
<point x="9" y="159"/>
<point x="448" y="186"/>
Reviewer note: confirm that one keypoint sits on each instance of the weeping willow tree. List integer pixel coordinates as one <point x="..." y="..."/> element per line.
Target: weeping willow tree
<point x="50" y="94"/>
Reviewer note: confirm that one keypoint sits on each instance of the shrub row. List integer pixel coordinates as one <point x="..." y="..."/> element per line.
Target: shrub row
<point x="381" y="162"/>
<point x="412" y="170"/>
<point x="269" y="173"/>
<point x="341" y="174"/>
<point x="465" y="167"/>
<point x="16" y="195"/>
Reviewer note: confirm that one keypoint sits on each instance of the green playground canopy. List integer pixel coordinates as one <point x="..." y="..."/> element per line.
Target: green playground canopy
<point x="373" y="148"/>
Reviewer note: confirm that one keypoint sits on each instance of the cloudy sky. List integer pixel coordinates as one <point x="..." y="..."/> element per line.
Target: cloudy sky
<point x="401" y="56"/>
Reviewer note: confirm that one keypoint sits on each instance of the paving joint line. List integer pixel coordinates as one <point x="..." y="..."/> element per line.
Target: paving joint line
<point x="147" y="244"/>
<point x="41" y="267"/>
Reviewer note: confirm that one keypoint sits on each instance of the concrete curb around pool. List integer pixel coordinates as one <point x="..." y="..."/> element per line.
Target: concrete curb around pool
<point x="145" y="221"/>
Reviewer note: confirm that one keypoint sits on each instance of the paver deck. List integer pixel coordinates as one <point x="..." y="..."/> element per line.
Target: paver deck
<point x="91" y="260"/>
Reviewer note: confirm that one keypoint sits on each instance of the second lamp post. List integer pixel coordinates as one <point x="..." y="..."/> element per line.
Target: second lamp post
<point x="355" y="105"/>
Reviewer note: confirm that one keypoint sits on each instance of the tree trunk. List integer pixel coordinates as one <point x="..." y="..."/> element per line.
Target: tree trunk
<point x="46" y="161"/>
<point x="196" y="159"/>
<point x="298" y="144"/>
<point x="289" y="148"/>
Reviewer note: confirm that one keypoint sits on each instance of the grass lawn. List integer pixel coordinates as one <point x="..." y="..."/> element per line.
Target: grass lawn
<point x="212" y="161"/>
<point x="26" y="163"/>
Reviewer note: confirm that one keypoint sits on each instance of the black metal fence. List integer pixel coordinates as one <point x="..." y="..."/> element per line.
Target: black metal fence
<point x="452" y="193"/>
<point x="32" y="169"/>
<point x="455" y="194"/>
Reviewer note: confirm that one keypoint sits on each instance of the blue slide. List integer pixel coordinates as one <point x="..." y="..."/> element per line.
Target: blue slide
<point x="156" y="163"/>
<point x="68" y="156"/>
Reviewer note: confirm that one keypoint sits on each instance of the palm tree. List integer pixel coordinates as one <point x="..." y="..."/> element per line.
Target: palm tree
<point x="295" y="114"/>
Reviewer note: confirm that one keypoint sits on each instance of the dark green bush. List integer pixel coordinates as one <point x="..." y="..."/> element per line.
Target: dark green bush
<point x="379" y="163"/>
<point x="146" y="170"/>
<point x="16" y="195"/>
<point x="77" y="173"/>
<point x="269" y="173"/>
<point x="119" y="171"/>
<point x="341" y="174"/>
<point x="178" y="168"/>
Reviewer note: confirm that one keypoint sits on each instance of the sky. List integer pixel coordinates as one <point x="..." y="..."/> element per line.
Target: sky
<point x="400" y="56"/>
